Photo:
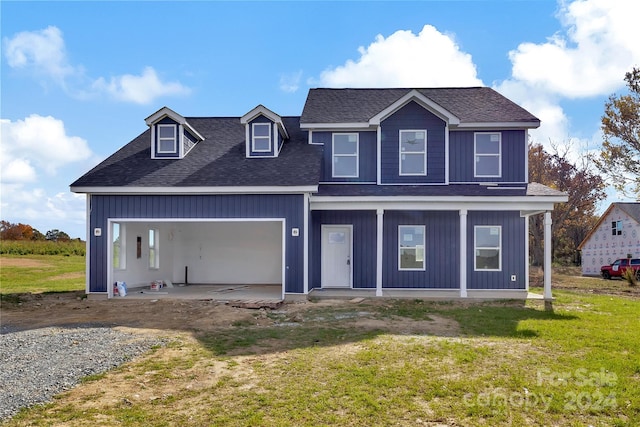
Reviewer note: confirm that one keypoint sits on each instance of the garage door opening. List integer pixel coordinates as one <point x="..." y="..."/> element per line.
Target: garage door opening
<point x="220" y="259"/>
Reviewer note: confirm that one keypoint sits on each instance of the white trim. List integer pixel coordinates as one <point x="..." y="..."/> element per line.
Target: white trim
<point x="88" y="243"/>
<point x="476" y="155"/>
<point x="322" y="228"/>
<point x="526" y="252"/>
<point x="522" y="203"/>
<point x="400" y="152"/>
<point x="261" y="137"/>
<point x="261" y="110"/>
<point x="110" y="269"/>
<point x="174" y="139"/>
<point x="547" y="256"/>
<point x="378" y="155"/>
<point x="424" y="241"/>
<point x="526" y="158"/>
<point x="379" y="249"/>
<point x="476" y="248"/>
<point x="122" y="247"/>
<point x="340" y="126"/>
<point x="305" y="242"/>
<point x="499" y="125"/>
<point x="198" y="190"/>
<point x="180" y="141"/>
<point x="446" y="153"/>
<point x="334" y="155"/>
<point x="463" y="253"/>
<point x="168" y="112"/>
<point x="420" y="99"/>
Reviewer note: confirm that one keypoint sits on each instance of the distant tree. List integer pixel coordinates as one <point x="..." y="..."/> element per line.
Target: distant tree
<point x="571" y="221"/>
<point x="37" y="235"/>
<point x="620" y="156"/>
<point x="9" y="231"/>
<point x="57" y="236"/>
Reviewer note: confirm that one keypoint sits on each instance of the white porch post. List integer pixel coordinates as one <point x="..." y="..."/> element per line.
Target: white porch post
<point x="547" y="256"/>
<point x="380" y="219"/>
<point x="463" y="253"/>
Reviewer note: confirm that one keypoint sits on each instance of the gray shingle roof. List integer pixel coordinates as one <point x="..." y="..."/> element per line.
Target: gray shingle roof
<point x="631" y="209"/>
<point x="470" y="105"/>
<point x="219" y="160"/>
<point x="531" y="189"/>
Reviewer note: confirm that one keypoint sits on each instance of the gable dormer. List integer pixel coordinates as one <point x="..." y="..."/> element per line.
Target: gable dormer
<point x="171" y="135"/>
<point x="264" y="132"/>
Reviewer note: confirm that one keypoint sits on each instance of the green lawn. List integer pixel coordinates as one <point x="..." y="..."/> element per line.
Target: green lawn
<point x="41" y="273"/>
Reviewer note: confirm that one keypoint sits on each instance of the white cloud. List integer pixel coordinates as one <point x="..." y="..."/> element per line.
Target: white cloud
<point x="142" y="89"/>
<point x="290" y="83"/>
<point x="43" y="53"/>
<point x="404" y="59"/>
<point x="598" y="44"/>
<point x="37" y="143"/>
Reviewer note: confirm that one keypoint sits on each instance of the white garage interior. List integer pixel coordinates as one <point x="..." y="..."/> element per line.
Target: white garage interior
<point x="233" y="253"/>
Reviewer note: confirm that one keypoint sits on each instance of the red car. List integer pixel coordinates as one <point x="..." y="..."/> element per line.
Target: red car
<point x="619" y="266"/>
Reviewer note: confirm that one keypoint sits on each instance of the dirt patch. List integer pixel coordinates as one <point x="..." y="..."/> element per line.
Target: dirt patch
<point x="23" y="263"/>
<point x="67" y="276"/>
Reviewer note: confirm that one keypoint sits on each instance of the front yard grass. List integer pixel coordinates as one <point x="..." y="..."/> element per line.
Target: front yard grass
<point x="41" y="273"/>
<point x="512" y="363"/>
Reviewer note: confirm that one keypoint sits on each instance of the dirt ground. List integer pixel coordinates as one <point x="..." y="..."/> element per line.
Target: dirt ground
<point x="165" y="315"/>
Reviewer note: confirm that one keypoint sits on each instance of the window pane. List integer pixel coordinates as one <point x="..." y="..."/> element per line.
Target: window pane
<point x="412" y="141"/>
<point x="167" y="145"/>
<point x="411" y="236"/>
<point x="345" y="147"/>
<point x="409" y="259"/>
<point x="167" y="131"/>
<point x="261" y="129"/>
<point x="262" y="144"/>
<point x="345" y="166"/>
<point x="487" y="259"/>
<point x="487" y="165"/>
<point x="345" y="137"/>
<point x="488" y="237"/>
<point x="412" y="164"/>
<point x="487" y="143"/>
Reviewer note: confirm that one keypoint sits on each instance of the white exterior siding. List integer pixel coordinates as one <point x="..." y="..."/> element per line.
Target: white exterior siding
<point x="602" y="248"/>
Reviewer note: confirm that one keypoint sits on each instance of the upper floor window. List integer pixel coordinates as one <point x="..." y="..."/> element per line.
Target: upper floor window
<point x="167" y="139"/>
<point x="488" y="247"/>
<point x="345" y="150"/>
<point x="616" y="228"/>
<point x="261" y="137"/>
<point x="411" y="247"/>
<point x="413" y="152"/>
<point x="487" y="153"/>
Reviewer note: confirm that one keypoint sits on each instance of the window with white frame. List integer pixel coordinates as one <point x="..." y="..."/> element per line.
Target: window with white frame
<point x="167" y="139"/>
<point x="488" y="248"/>
<point x="261" y="137"/>
<point x="616" y="228"/>
<point x="411" y="247"/>
<point x="413" y="152"/>
<point x="345" y="150"/>
<point x="118" y="246"/>
<point x="487" y="155"/>
<point x="154" y="259"/>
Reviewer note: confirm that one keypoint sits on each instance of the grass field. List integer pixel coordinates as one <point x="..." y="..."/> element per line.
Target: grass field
<point x="508" y="363"/>
<point x="41" y="273"/>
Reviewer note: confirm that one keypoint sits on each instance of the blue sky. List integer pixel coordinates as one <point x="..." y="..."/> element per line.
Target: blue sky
<point x="78" y="78"/>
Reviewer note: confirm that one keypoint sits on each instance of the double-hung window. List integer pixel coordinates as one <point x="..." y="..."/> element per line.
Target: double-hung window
<point x="413" y="152"/>
<point x="345" y="150"/>
<point x="488" y="248"/>
<point x="487" y="154"/>
<point x="411" y="247"/>
<point x="154" y="259"/>
<point x="616" y="228"/>
<point x="167" y="139"/>
<point x="261" y="137"/>
<point x="118" y="246"/>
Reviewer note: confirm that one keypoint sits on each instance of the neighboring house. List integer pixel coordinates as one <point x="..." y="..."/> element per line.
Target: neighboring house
<point x="616" y="235"/>
<point x="379" y="190"/>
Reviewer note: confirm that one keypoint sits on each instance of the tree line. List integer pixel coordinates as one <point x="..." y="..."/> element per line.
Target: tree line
<point x="25" y="232"/>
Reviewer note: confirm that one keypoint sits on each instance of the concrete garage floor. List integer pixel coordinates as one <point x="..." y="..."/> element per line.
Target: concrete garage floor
<point x="209" y="292"/>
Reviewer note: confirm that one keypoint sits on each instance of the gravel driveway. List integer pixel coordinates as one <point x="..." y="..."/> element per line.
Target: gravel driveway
<point x="37" y="364"/>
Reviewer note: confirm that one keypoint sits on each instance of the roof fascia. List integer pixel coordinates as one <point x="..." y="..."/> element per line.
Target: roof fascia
<point x="422" y="100"/>
<point x="500" y="125"/>
<point x="329" y="126"/>
<point x="261" y="110"/>
<point x="297" y="189"/>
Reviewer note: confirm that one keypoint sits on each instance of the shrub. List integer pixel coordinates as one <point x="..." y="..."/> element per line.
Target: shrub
<point x="630" y="276"/>
<point x="42" y="247"/>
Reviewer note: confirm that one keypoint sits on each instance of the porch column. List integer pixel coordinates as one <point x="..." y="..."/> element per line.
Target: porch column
<point x="463" y="253"/>
<point x="547" y="256"/>
<point x="380" y="222"/>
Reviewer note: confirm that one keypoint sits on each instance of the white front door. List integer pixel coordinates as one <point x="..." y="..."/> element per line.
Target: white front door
<point x="336" y="256"/>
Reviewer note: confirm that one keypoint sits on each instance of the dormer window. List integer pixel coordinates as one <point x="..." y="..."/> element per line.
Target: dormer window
<point x="261" y="140"/>
<point x="167" y="140"/>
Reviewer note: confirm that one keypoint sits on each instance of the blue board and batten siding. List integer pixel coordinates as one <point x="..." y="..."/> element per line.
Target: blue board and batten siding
<point x="513" y="155"/>
<point x="512" y="252"/>
<point x="364" y="245"/>
<point x="367" y="152"/>
<point x="412" y="117"/>
<point x="288" y="207"/>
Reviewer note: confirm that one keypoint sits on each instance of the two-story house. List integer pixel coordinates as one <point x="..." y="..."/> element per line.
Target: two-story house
<point x="386" y="191"/>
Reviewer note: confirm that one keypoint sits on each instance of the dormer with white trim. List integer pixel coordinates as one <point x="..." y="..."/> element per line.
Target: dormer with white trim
<point x="172" y="137"/>
<point x="264" y="133"/>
